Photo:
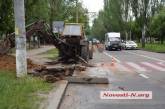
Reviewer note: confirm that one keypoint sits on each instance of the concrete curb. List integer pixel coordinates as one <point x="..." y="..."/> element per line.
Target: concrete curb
<point x="56" y="95"/>
<point x="54" y="98"/>
<point x="151" y="51"/>
<point x="88" y="80"/>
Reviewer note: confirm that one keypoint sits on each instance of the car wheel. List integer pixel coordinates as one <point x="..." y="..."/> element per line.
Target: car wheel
<point x="106" y="48"/>
<point x="119" y="48"/>
<point x="109" y="48"/>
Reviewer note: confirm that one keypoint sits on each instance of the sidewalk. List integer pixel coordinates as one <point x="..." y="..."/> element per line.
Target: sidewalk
<point x="92" y="75"/>
<point x="35" y="56"/>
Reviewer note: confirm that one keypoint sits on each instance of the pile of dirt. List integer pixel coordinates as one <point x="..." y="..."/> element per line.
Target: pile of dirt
<point x="8" y="62"/>
<point x="57" y="73"/>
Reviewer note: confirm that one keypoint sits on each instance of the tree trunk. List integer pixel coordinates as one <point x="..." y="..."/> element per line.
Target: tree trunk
<point x="162" y="39"/>
<point x="143" y="36"/>
<point x="126" y="35"/>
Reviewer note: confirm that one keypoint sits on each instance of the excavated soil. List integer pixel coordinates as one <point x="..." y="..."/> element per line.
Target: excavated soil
<point x="8" y="62"/>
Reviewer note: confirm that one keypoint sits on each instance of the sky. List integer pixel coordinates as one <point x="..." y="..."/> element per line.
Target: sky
<point x="93" y="6"/>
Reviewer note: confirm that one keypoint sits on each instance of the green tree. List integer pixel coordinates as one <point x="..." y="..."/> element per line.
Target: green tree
<point x="110" y="19"/>
<point x="157" y="26"/>
<point x="72" y="10"/>
<point x="129" y="17"/>
<point x="6" y="17"/>
<point x="143" y="10"/>
<point x="98" y="29"/>
<point x="48" y="10"/>
<point x="66" y="10"/>
<point x="36" y="10"/>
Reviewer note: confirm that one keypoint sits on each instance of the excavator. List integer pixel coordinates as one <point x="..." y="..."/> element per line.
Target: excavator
<point x="72" y="43"/>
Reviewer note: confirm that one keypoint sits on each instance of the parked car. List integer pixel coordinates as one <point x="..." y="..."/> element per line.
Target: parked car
<point x="130" y="45"/>
<point x="123" y="44"/>
<point x="95" y="41"/>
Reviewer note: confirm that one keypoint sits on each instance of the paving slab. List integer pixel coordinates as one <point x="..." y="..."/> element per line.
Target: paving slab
<point x="92" y="75"/>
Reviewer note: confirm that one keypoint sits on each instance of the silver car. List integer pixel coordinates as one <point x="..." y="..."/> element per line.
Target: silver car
<point x="130" y="45"/>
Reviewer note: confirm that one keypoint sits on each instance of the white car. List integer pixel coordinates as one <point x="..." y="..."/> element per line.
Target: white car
<point x="130" y="45"/>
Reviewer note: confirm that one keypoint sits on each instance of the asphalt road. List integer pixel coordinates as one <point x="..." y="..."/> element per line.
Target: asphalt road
<point x="132" y="70"/>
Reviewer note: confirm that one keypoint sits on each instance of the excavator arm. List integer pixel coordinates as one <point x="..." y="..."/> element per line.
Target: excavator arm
<point x="70" y="47"/>
<point x="40" y="28"/>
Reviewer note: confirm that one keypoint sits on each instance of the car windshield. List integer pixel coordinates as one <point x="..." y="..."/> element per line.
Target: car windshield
<point x="114" y="39"/>
<point x="127" y="42"/>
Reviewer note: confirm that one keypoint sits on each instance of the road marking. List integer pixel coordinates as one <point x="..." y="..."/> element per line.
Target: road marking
<point x="112" y="56"/>
<point x="156" y="59"/>
<point x="136" y="66"/>
<point x="153" y="66"/>
<point x="162" y="64"/>
<point x="144" y="76"/>
<point x="122" y="67"/>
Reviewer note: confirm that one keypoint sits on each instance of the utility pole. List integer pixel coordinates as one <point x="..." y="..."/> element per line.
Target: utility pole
<point x="77" y="9"/>
<point x="20" y="38"/>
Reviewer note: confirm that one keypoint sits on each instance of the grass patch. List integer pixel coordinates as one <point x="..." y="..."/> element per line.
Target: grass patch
<point x="154" y="47"/>
<point x="21" y="93"/>
<point x="51" y="54"/>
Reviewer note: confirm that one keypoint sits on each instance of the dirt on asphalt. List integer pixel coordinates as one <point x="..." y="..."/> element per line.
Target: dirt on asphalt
<point x="8" y="62"/>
